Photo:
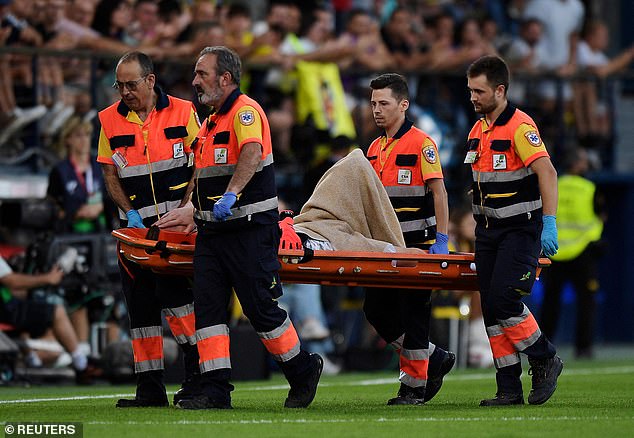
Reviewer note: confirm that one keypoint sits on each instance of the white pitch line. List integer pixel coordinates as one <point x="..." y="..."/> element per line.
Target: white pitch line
<point x="365" y="382"/>
<point x="353" y="420"/>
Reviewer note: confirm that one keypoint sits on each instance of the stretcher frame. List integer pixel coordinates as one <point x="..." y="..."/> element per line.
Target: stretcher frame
<point x="172" y="253"/>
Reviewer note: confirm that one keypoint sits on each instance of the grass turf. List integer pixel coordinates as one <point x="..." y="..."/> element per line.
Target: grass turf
<point x="593" y="399"/>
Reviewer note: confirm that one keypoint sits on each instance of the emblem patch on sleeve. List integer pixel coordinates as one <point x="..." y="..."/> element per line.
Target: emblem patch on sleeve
<point x="429" y="152"/>
<point x="246" y="117"/>
<point x="533" y="138"/>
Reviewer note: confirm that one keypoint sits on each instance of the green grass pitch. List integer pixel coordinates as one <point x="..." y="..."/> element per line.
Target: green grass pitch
<point x="593" y="399"/>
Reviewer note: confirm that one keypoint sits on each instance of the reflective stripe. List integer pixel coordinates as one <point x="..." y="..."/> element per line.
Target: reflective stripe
<point x="421" y="354"/>
<point x="494" y="330"/>
<point x="507" y="360"/>
<point x="180" y="312"/>
<point x="182" y="322"/>
<point x="147" y="348"/>
<point x="411" y="381"/>
<point x="522" y="331"/>
<point x="157" y="166"/>
<point x="515" y="320"/>
<point x="417" y="225"/>
<point x="213" y="171"/>
<point x="148" y="365"/>
<point x="282" y="342"/>
<point x="514" y="175"/>
<point x="276" y="333"/>
<point x="213" y="347"/>
<point x="405" y="190"/>
<point x="511" y="210"/>
<point x="398" y="344"/>
<point x="146" y="332"/>
<point x="524" y="344"/>
<point x="432" y="348"/>
<point x="153" y="210"/>
<point x="215" y="364"/>
<point x="240" y="212"/>
<point x="214" y="330"/>
<point x="414" y="365"/>
<point x="504" y="352"/>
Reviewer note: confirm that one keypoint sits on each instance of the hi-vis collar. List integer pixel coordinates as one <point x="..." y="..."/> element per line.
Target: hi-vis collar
<point x="407" y="124"/>
<point x="503" y="118"/>
<point x="224" y="109"/>
<point x="162" y="101"/>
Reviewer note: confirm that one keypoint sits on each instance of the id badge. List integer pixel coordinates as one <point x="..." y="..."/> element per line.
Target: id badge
<point x="119" y="160"/>
<point x="179" y="150"/>
<point x="220" y="156"/>
<point x="404" y="176"/>
<point x="471" y="157"/>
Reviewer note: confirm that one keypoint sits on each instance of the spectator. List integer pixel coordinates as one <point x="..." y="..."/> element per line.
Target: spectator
<point x="143" y="30"/>
<point x="404" y="43"/>
<point x="525" y="56"/>
<point x="363" y="33"/>
<point x="76" y="183"/>
<point x="561" y="21"/>
<point x="112" y="18"/>
<point x="238" y="34"/>
<point x="14" y="31"/>
<point x="592" y="115"/>
<point x="36" y="318"/>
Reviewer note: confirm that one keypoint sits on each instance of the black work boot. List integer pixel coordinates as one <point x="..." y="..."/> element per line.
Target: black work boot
<point x="302" y="393"/>
<point x="408" y="396"/>
<point x="204" y="402"/>
<point x="545" y="373"/>
<point x="434" y="382"/>
<point x="189" y="389"/>
<point x="141" y="403"/>
<point x="150" y="392"/>
<point x="503" y="399"/>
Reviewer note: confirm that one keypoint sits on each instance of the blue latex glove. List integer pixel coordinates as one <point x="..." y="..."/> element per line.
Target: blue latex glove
<point x="549" y="236"/>
<point x="134" y="219"/>
<point x="440" y="247"/>
<point x="222" y="207"/>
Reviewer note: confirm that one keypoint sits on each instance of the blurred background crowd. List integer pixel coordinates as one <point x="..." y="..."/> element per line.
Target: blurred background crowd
<point x="309" y="64"/>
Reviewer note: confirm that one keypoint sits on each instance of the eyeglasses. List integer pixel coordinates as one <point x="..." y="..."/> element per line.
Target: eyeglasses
<point x="130" y="85"/>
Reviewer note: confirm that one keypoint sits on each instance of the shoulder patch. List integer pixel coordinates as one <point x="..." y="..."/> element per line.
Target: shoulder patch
<point x="429" y="152"/>
<point x="533" y="138"/>
<point x="246" y="117"/>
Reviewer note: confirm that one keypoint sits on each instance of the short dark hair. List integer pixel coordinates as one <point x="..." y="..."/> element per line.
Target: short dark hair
<point x="144" y="61"/>
<point x="239" y="10"/>
<point x="226" y="61"/>
<point x="393" y="81"/>
<point x="494" y="68"/>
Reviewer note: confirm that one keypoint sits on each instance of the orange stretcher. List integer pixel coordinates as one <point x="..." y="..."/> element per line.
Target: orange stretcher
<point x="172" y="253"/>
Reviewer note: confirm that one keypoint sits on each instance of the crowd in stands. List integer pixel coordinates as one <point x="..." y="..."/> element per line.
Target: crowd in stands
<point x="309" y="63"/>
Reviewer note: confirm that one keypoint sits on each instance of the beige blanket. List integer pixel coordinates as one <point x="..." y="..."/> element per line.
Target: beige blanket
<point x="350" y="209"/>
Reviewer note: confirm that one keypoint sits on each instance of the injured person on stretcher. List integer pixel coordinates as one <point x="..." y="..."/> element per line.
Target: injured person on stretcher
<point x="349" y="210"/>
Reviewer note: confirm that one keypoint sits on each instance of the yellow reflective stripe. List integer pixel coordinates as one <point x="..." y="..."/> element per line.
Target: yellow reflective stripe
<point x="398" y="210"/>
<point x="500" y="195"/>
<point x="179" y="186"/>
